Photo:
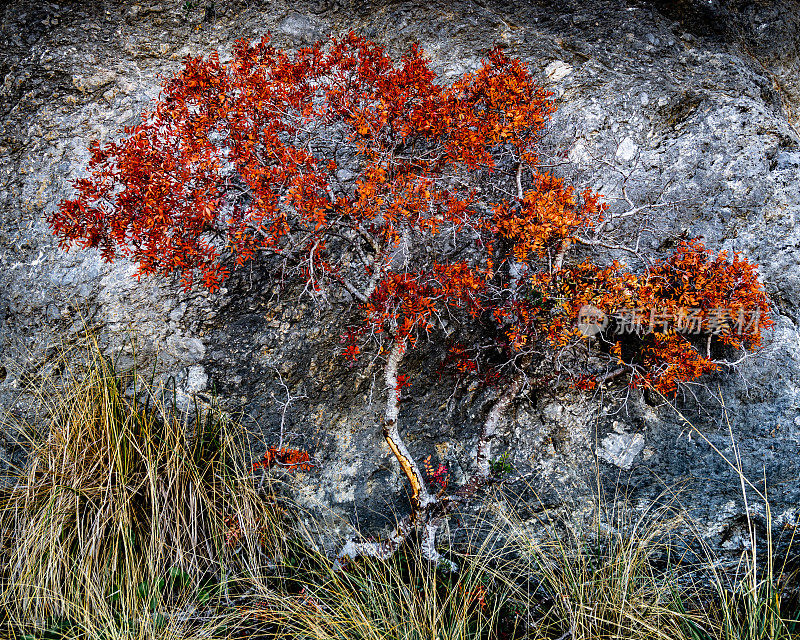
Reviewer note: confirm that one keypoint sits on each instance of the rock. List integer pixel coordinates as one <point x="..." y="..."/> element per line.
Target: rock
<point x="300" y="28"/>
<point x="690" y="104"/>
<point x="186" y="349"/>
<point x="95" y="81"/>
<point x="196" y="379"/>
<point x="787" y="161"/>
<point x="557" y="70"/>
<point x="621" y="449"/>
<point x="627" y="150"/>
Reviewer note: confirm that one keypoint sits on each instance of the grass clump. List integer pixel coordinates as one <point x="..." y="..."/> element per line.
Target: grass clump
<point x="611" y="583"/>
<point x="648" y="576"/>
<point x="122" y="522"/>
<point x="757" y="599"/>
<point x="402" y="597"/>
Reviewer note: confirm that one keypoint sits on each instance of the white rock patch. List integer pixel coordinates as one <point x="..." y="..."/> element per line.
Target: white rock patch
<point x="620" y="449"/>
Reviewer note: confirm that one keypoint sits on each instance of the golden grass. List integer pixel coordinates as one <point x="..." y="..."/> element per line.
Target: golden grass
<point x="135" y="521"/>
<point x="123" y="508"/>
<point x="403" y="597"/>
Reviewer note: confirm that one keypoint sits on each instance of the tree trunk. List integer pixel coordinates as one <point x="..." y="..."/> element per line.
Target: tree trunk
<point x="420" y="498"/>
<point x="498" y="412"/>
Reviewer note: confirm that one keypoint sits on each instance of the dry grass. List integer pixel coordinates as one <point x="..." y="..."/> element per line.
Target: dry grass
<point x="403" y="597"/>
<point x="135" y="521"/>
<point x="123" y="509"/>
<point x="596" y="582"/>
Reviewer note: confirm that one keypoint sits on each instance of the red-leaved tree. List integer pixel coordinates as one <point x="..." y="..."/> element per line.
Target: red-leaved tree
<point x="424" y="204"/>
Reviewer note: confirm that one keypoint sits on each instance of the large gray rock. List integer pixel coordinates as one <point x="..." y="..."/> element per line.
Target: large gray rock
<point x="688" y="105"/>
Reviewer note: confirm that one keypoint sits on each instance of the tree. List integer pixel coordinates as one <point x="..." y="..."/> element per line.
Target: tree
<point x="422" y="203"/>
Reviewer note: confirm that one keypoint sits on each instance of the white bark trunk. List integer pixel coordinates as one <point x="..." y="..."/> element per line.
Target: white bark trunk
<point x="421" y="499"/>
<point x="496" y="415"/>
<point x="562" y="252"/>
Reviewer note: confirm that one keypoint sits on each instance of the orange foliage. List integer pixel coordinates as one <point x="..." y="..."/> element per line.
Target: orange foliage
<point x="421" y="201"/>
<point x="689" y="297"/>
<point x="290" y="459"/>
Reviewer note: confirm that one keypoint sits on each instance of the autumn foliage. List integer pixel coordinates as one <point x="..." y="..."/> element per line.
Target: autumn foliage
<point x="422" y="202"/>
<point x="284" y="458"/>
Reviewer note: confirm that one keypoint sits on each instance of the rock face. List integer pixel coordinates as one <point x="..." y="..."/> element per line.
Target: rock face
<point x="688" y="106"/>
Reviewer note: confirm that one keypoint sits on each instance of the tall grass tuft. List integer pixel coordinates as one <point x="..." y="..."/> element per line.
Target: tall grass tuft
<point x="755" y="599"/>
<point x="597" y="583"/>
<point x="403" y="597"/>
<point x="124" y="510"/>
<point x="758" y="598"/>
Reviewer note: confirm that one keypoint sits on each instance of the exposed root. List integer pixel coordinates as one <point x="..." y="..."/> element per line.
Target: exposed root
<point x="428" y="545"/>
<point x="384" y="549"/>
<point x="381" y="549"/>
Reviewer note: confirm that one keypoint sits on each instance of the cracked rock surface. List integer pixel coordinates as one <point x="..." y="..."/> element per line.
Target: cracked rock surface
<point x="692" y="104"/>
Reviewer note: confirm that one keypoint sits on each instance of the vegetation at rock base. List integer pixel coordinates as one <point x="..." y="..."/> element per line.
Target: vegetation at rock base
<point x="133" y="521"/>
<point x="125" y="506"/>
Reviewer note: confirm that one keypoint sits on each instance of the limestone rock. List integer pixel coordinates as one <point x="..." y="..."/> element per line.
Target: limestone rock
<point x="691" y="105"/>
